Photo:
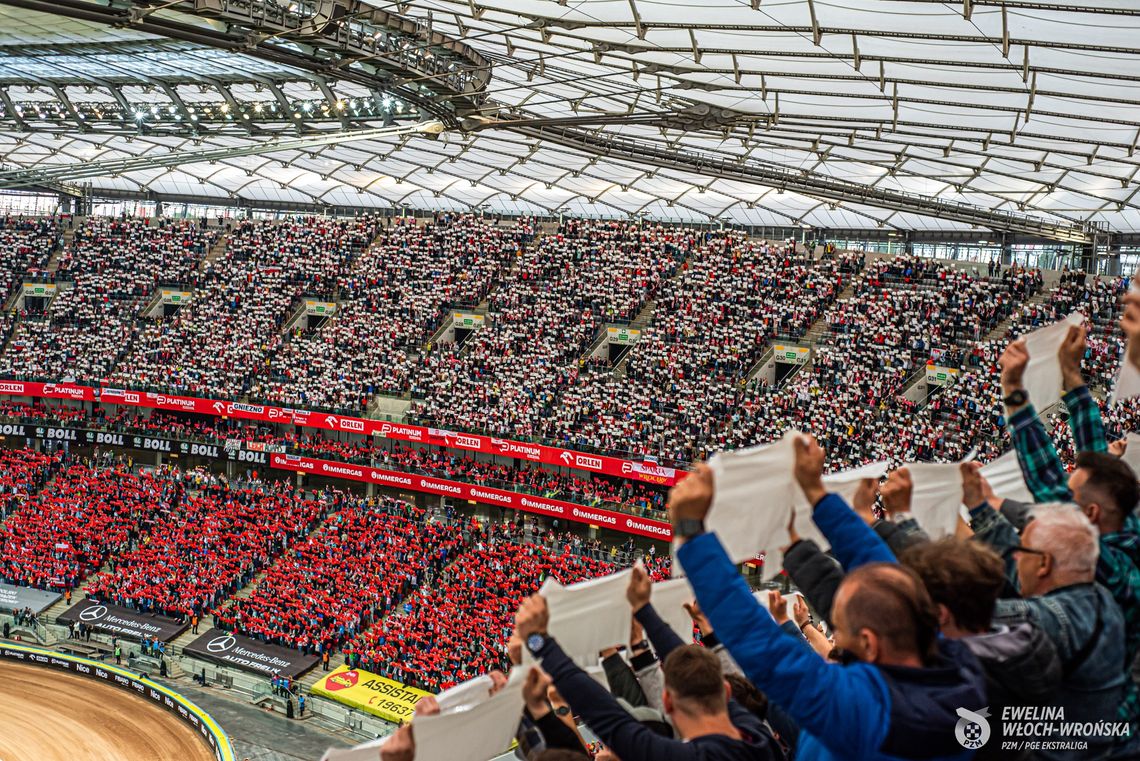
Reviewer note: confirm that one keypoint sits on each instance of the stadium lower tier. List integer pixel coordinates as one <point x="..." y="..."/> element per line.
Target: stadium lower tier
<point x="386" y="582"/>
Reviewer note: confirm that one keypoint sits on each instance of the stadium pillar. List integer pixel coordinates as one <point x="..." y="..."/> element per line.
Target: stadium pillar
<point x="1088" y="257"/>
<point x="1006" y="250"/>
<point x="158" y="459"/>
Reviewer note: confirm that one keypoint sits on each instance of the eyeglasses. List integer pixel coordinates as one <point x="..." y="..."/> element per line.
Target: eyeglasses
<point x="1027" y="550"/>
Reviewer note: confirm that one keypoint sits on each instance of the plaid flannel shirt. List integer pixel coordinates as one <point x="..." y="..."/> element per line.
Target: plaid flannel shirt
<point x="1118" y="568"/>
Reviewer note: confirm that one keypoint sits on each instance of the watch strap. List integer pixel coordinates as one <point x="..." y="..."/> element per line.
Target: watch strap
<point x="1015" y="398"/>
<point x="687" y="528"/>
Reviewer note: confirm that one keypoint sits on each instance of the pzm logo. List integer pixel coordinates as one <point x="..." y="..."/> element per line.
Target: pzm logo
<point x="972" y="730"/>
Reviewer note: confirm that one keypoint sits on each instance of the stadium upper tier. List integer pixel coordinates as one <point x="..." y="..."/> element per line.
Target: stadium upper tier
<point x="532" y="363"/>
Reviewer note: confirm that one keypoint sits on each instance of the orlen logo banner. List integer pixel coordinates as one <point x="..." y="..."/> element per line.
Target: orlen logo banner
<point x="486" y="495"/>
<point x="613" y="466"/>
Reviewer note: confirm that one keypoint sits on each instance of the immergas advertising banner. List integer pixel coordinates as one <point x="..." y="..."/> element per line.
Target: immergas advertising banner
<point x="611" y="466"/>
<point x="123" y="622"/>
<point x="410" y="481"/>
<point x="250" y="654"/>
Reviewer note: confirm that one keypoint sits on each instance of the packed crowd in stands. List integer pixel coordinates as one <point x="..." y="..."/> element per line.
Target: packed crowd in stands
<point x="457" y="627"/>
<point x="507" y="378"/>
<point x="678" y="394"/>
<point x="105" y="277"/>
<point x="208" y="541"/>
<point x="366" y="558"/>
<point x="392" y="297"/>
<point x="449" y="464"/>
<point x="26" y="245"/>
<point x="221" y="343"/>
<point x="56" y="537"/>
<point x="684" y="375"/>
<point x="903" y="312"/>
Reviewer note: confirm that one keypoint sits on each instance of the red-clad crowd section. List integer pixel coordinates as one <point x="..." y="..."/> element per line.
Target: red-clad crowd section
<point x="208" y="543"/>
<point x="611" y="466"/>
<point x="365" y="559"/>
<point x="61" y="534"/>
<point x="458" y="628"/>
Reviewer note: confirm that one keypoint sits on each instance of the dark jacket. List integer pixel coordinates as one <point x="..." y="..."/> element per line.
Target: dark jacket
<point x="1022" y="669"/>
<point x="622" y="681"/>
<point x="861" y="712"/>
<point x="815" y="573"/>
<point x="632" y="741"/>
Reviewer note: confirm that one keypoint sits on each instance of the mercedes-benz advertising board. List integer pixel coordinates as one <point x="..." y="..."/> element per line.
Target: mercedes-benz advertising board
<point x="123" y="622"/>
<point x="249" y="654"/>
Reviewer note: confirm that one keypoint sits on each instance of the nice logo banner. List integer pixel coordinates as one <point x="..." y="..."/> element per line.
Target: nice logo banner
<point x="381" y="697"/>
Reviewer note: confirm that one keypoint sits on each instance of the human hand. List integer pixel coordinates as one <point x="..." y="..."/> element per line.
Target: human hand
<point x="778" y="606"/>
<point x="555" y="697"/>
<point x="1070" y="354"/>
<point x="800" y="611"/>
<point x="534" y="689"/>
<point x="808" y="469"/>
<point x="498" y="681"/>
<point x="1118" y="447"/>
<point x="864" y="502"/>
<point x="636" y="632"/>
<point x="532" y="616"/>
<point x="896" y="492"/>
<point x="973" y="490"/>
<point x="639" y="588"/>
<point x="692" y="497"/>
<point x="699" y="618"/>
<point x="401" y="746"/>
<point x="1130" y="325"/>
<point x="514" y="647"/>
<point x="605" y="754"/>
<point x="427" y="706"/>
<point x="1013" y="362"/>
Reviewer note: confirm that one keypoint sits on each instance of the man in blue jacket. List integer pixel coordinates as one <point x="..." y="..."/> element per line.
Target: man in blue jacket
<point x="902" y="692"/>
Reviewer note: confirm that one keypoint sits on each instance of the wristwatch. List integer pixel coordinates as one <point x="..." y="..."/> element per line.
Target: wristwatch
<point x="535" y="642"/>
<point x="562" y="711"/>
<point x="1016" y="398"/>
<point x="687" y="528"/>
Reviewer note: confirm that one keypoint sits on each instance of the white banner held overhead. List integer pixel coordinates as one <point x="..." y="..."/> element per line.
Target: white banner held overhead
<point x="937" y="496"/>
<point x="1005" y="478"/>
<point x="1042" y="379"/>
<point x="754" y="490"/>
<point x="588" y="617"/>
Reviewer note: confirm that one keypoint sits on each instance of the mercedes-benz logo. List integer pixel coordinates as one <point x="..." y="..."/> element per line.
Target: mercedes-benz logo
<point x="94" y="613"/>
<point x="221" y="644"/>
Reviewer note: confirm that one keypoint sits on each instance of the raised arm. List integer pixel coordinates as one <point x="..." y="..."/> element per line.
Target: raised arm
<point x="1044" y="474"/>
<point x="1084" y="415"/>
<point x="846" y="707"/>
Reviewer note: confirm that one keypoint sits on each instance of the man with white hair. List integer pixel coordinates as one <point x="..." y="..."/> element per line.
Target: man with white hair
<point x="1056" y="569"/>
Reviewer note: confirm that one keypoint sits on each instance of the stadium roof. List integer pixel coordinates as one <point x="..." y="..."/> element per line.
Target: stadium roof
<point x="1021" y="115"/>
